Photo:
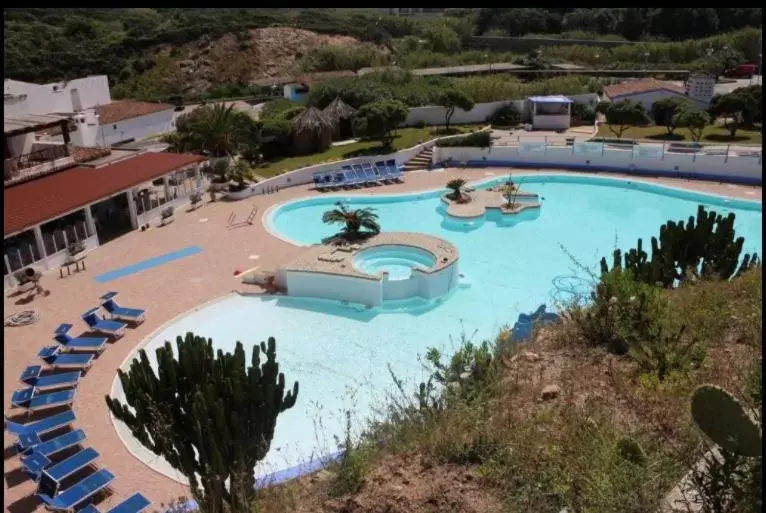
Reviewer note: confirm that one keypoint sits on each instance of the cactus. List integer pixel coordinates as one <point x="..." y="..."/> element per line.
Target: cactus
<point x="214" y="403"/>
<point x="631" y="451"/>
<point x="725" y="421"/>
<point x="705" y="246"/>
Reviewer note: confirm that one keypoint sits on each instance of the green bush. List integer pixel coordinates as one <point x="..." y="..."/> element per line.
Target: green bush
<point x="506" y="115"/>
<point x="474" y="140"/>
<point x="583" y="113"/>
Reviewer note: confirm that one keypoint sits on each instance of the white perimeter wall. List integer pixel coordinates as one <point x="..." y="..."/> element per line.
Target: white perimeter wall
<point x="710" y="167"/>
<point x="330" y="286"/>
<point x="136" y="128"/>
<point x="434" y="115"/>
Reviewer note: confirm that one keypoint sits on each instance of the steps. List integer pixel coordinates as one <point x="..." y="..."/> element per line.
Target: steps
<point x="420" y="161"/>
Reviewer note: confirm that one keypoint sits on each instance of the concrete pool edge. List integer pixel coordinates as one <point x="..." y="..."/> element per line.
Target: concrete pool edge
<point x="269" y="215"/>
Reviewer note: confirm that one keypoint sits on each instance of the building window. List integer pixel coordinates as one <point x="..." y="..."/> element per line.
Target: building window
<point x="20" y="251"/>
<point x="150" y="196"/>
<point x="62" y="232"/>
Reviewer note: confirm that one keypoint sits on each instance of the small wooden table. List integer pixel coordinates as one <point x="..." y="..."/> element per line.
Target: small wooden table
<point x="69" y="263"/>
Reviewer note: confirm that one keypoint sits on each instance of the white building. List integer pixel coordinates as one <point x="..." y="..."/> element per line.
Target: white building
<point x="61" y="97"/>
<point x="549" y="112"/>
<point x="121" y="121"/>
<point x="96" y="119"/>
<point x="646" y="91"/>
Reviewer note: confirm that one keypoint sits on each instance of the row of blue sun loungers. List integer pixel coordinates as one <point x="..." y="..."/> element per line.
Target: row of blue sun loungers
<point x="46" y="390"/>
<point x="359" y="175"/>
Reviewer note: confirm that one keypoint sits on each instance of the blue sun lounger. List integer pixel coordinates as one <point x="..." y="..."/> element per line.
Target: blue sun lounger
<point x="76" y="494"/>
<point x="369" y="173"/>
<point x="393" y="171"/>
<point x="382" y="170"/>
<point x="99" y="325"/>
<point x="350" y="179"/>
<point x="121" y="313"/>
<point x="27" y="443"/>
<point x="36" y="462"/>
<point x="51" y="447"/>
<point x="136" y="503"/>
<point x="338" y="181"/>
<point x="318" y="181"/>
<point x="29" y="399"/>
<point x="33" y="376"/>
<point x="52" y="356"/>
<point x="61" y="335"/>
<point x="42" y="426"/>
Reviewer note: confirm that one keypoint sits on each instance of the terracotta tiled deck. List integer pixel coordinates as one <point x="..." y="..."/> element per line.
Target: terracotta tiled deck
<point x="167" y="291"/>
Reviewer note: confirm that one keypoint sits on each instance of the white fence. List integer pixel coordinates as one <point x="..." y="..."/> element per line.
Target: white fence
<point x="435" y="115"/>
<point x="643" y="159"/>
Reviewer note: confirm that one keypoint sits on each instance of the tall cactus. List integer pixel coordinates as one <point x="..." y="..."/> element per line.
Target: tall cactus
<point x="704" y="247"/>
<point x="209" y="415"/>
<point x="725" y="421"/>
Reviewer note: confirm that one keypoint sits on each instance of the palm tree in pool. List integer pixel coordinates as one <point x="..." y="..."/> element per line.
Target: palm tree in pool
<point x="354" y="221"/>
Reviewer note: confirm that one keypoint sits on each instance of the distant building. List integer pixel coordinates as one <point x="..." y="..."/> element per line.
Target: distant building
<point x="646" y="91"/>
<point x="419" y="12"/>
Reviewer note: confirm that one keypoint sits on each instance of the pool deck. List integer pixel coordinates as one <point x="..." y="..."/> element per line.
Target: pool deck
<point x="338" y="260"/>
<point x="173" y="289"/>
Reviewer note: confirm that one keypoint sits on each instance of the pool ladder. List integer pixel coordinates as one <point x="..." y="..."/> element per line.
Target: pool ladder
<point x="231" y="222"/>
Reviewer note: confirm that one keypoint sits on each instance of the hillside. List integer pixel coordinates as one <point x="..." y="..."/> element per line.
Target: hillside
<point x="240" y="59"/>
<point x="151" y="53"/>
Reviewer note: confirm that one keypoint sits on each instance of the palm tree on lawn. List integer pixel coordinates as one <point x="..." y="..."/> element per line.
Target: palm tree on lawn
<point x="354" y="221"/>
<point x="222" y="129"/>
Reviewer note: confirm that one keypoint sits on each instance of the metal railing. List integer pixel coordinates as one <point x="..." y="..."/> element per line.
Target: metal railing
<point x="639" y="148"/>
<point x="36" y="163"/>
<point x="38" y="157"/>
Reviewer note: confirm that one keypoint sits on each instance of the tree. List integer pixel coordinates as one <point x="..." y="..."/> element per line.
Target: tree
<point x="455" y="185"/>
<point x="378" y="119"/>
<point x="353" y="220"/>
<point x="451" y="99"/>
<point x="664" y="111"/>
<point x="442" y="38"/>
<point x="729" y="107"/>
<point x="752" y="99"/>
<point x="211" y="416"/>
<point x="694" y="120"/>
<point x="217" y="129"/>
<point x="722" y="61"/>
<point x="623" y="114"/>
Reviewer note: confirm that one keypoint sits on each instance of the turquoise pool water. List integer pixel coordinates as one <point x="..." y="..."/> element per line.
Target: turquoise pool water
<point x="398" y="261"/>
<point x="341" y="353"/>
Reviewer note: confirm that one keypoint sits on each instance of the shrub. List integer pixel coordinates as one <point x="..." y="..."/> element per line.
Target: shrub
<point x="506" y="115"/>
<point x="583" y="113"/>
<point x="475" y="140"/>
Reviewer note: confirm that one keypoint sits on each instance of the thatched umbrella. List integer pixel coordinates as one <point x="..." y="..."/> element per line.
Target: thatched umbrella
<point x="341" y="115"/>
<point x="313" y="131"/>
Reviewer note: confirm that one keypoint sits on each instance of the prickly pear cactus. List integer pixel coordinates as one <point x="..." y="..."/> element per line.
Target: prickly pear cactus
<point x="725" y="421"/>
<point x="630" y="450"/>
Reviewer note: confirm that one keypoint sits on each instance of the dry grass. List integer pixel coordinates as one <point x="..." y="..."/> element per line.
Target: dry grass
<point x="713" y="134"/>
<point x="543" y="456"/>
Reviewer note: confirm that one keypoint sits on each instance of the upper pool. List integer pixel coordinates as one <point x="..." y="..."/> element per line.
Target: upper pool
<point x="341" y="353"/>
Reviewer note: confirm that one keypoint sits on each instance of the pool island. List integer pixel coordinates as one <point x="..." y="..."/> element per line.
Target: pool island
<point x="387" y="266"/>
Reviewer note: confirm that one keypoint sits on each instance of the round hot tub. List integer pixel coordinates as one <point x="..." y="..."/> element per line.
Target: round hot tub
<point x="397" y="260"/>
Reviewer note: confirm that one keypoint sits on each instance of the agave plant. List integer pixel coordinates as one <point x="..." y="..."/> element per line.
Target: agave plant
<point x="455" y="185"/>
<point x="354" y="221"/>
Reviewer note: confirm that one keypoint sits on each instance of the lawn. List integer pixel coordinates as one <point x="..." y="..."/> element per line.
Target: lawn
<point x="405" y="138"/>
<point x="714" y="134"/>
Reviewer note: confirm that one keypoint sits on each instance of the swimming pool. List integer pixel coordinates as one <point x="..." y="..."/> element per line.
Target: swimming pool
<point x="341" y="353"/>
<point x="397" y="261"/>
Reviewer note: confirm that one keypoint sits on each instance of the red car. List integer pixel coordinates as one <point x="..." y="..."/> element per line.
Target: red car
<point x="742" y="71"/>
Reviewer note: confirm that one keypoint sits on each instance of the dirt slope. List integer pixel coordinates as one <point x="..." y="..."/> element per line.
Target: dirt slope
<point x="244" y="58"/>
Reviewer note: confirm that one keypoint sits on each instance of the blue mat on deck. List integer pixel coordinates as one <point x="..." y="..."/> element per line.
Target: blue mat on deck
<point x="147" y="264"/>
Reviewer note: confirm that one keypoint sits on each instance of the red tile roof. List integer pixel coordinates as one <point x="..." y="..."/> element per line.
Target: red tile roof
<point x="643" y="85"/>
<point x="122" y="110"/>
<point x="50" y="196"/>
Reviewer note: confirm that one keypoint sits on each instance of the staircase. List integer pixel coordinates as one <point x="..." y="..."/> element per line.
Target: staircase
<point x="420" y="161"/>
